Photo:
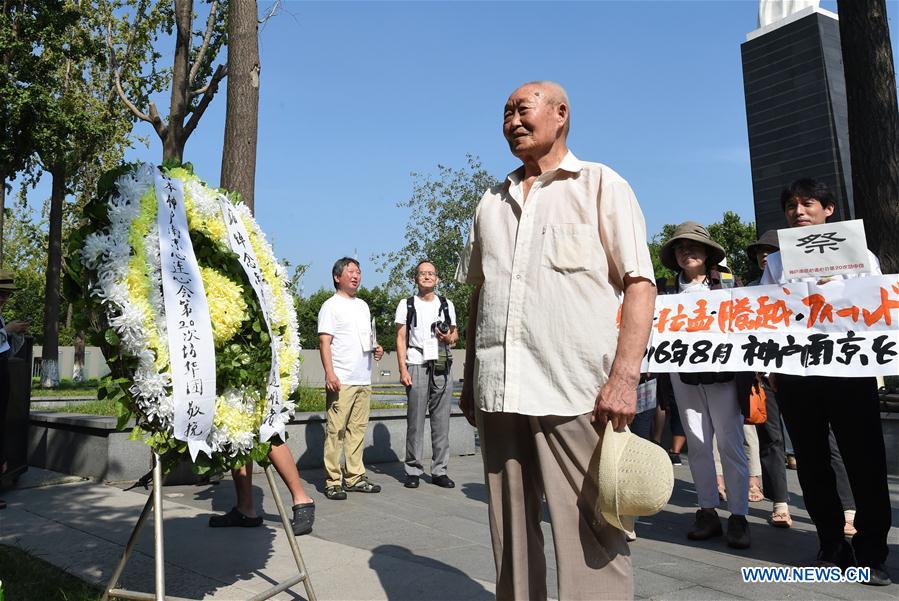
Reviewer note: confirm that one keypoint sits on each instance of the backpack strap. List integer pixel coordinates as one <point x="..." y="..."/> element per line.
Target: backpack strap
<point x="411" y="318"/>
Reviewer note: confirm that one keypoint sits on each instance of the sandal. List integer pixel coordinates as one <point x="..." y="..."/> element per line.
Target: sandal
<point x="849" y="528"/>
<point x="755" y="491"/>
<point x="234" y="518"/>
<point x="780" y="519"/>
<point x="303" y="518"/>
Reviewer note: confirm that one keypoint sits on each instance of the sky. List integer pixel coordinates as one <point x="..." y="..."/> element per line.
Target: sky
<point x="355" y="96"/>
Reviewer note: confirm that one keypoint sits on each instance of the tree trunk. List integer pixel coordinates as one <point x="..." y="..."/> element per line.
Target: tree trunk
<point x="242" y="113"/>
<point x="873" y="124"/>
<point x="50" y="352"/>
<point x="2" y="213"/>
<point x="173" y="144"/>
<point x="78" y="367"/>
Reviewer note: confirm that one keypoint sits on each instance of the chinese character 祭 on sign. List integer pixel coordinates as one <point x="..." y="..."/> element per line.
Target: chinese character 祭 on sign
<point x="849" y="405"/>
<point x="821" y="242"/>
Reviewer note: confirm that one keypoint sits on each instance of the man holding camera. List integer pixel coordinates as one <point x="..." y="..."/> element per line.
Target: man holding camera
<point x="425" y="331"/>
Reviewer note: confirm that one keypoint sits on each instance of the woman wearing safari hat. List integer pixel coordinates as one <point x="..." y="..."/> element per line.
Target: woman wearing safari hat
<point x="708" y="402"/>
<point x="11" y="339"/>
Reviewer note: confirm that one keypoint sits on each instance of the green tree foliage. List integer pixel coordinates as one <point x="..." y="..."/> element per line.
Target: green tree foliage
<point x="731" y="232"/>
<point x="655" y="248"/>
<point x="307" y="316"/>
<point x="383" y="310"/>
<point x="442" y="208"/>
<point x="32" y="33"/>
<point x="735" y="235"/>
<point x="27" y="257"/>
<point x="79" y="129"/>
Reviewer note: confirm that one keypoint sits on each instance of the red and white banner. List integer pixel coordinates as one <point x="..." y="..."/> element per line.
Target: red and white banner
<point x="839" y="328"/>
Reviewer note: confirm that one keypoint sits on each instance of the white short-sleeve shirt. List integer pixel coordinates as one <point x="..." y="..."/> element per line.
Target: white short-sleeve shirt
<point x="426" y="313"/>
<point x="348" y="320"/>
<point x="551" y="270"/>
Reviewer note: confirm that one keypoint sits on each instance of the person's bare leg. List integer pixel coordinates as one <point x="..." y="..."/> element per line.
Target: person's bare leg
<point x="243" y="486"/>
<point x="283" y="461"/>
<point x="677" y="443"/>
<point x="658" y="424"/>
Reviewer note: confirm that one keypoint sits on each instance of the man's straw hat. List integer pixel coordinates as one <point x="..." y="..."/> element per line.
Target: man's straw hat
<point x="635" y="478"/>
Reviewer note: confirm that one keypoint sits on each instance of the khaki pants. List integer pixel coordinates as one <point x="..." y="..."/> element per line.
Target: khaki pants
<point x="527" y="458"/>
<point x="348" y="412"/>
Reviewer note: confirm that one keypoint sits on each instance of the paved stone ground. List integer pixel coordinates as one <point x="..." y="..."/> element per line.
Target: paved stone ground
<point x="424" y="544"/>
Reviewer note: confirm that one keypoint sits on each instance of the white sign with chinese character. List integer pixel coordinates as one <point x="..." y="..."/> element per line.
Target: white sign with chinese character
<point x="239" y="240"/>
<point x="826" y="249"/>
<point x="191" y="350"/>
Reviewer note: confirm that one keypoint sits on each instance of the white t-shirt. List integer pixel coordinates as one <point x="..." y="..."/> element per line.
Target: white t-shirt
<point x="426" y="313"/>
<point x="774" y="271"/>
<point x="348" y="320"/>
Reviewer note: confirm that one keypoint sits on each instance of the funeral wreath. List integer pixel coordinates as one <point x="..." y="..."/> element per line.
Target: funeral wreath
<point x="179" y="287"/>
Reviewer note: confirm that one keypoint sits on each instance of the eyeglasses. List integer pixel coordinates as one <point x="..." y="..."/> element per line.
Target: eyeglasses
<point x="427" y="273"/>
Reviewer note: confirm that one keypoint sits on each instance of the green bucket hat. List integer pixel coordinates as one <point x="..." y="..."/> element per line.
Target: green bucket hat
<point x="769" y="238"/>
<point x="690" y="230"/>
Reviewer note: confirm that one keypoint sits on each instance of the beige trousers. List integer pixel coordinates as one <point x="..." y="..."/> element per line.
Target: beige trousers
<point x="527" y="458"/>
<point x="348" y="412"/>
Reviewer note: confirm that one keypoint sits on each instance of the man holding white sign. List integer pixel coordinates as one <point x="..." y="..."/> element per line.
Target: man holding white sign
<point x="850" y="406"/>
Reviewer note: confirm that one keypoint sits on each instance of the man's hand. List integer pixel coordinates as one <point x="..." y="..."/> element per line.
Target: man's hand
<point x="616" y="402"/>
<point x="17" y="326"/>
<point x="466" y="401"/>
<point x="332" y="382"/>
<point x="405" y="377"/>
<point x="449" y="338"/>
<point x="379" y="352"/>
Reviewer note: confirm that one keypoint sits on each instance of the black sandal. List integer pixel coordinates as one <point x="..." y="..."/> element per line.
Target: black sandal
<point x="234" y="518"/>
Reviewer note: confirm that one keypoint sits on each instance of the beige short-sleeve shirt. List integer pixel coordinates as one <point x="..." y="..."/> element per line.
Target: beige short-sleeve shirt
<point x="551" y="272"/>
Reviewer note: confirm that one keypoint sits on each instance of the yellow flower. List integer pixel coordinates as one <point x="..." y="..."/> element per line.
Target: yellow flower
<point x="227" y="308"/>
<point x="237" y="419"/>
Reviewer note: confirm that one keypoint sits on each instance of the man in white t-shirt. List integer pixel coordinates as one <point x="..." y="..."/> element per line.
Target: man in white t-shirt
<point x="424" y="336"/>
<point x="813" y="405"/>
<point x="346" y="344"/>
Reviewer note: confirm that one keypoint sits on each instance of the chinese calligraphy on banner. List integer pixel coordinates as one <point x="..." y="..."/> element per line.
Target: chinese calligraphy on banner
<point x="191" y="351"/>
<point x="239" y="240"/>
<point x="839" y="328"/>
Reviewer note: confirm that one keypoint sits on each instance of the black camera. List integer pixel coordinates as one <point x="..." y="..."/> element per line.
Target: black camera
<point x="440" y="326"/>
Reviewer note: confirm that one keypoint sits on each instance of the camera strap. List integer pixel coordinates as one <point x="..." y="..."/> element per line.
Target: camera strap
<point x="412" y="317"/>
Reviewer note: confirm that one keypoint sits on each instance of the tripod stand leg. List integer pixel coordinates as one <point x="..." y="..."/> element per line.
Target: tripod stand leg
<point x="291" y="539"/>
<point x="114" y="580"/>
<point x="158" y="547"/>
<point x="154" y="501"/>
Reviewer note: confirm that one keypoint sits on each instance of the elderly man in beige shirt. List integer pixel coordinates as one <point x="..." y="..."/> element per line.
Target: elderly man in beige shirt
<point x="551" y="251"/>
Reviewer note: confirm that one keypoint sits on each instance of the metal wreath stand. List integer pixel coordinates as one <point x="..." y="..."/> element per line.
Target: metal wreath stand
<point x="155" y="502"/>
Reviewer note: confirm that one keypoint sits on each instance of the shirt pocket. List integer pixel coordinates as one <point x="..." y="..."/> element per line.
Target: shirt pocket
<point x="570" y="247"/>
